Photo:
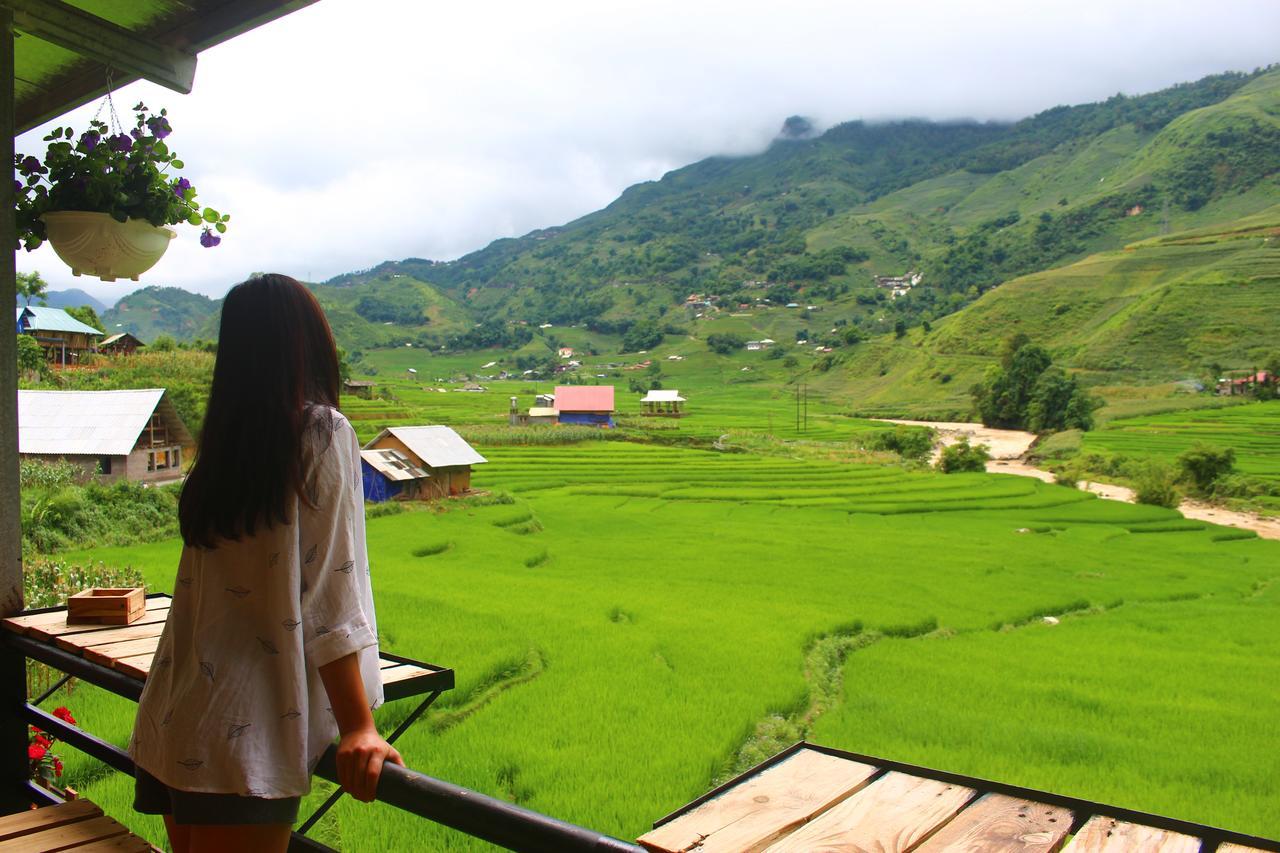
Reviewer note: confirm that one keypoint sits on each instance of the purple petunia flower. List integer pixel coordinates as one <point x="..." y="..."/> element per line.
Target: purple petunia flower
<point x="208" y="239"/>
<point x="136" y="133"/>
<point x="120" y="142"/>
<point x="159" y="127"/>
<point x="31" y="164"/>
<point x="180" y="188"/>
<point x="17" y="187"/>
<point x="89" y="140"/>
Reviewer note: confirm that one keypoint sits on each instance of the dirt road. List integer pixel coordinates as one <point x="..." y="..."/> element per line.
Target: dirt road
<point x="1008" y="451"/>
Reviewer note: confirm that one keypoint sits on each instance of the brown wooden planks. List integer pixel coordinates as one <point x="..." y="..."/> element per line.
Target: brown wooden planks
<point x="119" y="844"/>
<point x="23" y="823"/>
<point x="891" y="815"/>
<point x="66" y="837"/>
<point x="47" y="625"/>
<point x="997" y="822"/>
<point x="390" y="675"/>
<point x="78" y="642"/>
<point x="762" y="808"/>
<point x="1108" y="835"/>
<point x="138" y="666"/>
<point x="1237" y="848"/>
<point x="111" y="652"/>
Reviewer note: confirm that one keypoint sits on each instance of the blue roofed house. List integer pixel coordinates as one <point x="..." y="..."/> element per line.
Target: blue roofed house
<point x="64" y="339"/>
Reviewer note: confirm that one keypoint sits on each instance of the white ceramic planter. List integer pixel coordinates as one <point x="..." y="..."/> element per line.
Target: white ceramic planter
<point x="97" y="245"/>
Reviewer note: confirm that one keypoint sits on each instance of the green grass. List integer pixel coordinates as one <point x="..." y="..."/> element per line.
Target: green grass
<point x="1252" y="430"/>
<point x="621" y="629"/>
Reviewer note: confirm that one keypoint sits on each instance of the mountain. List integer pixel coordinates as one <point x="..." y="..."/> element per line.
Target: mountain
<point x="812" y="220"/>
<point x="71" y="298"/>
<point x="153" y="311"/>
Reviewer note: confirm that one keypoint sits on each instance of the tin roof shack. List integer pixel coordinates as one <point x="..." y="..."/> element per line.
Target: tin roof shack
<point x="64" y="339"/>
<point x="358" y="388"/>
<point x="536" y="415"/>
<point x="663" y="402"/>
<point x="439" y="451"/>
<point x="388" y="474"/>
<point x="590" y="405"/>
<point x="135" y="435"/>
<point x="121" y="343"/>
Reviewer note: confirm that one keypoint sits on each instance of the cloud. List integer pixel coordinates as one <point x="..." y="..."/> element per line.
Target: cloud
<point x="349" y="133"/>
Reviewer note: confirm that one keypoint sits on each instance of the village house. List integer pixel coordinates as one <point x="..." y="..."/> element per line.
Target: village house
<point x="133" y="435"/>
<point x="543" y="412"/>
<point x="591" y="405"/>
<point x="64" y="339"/>
<point x="565" y="352"/>
<point x="358" y="388"/>
<point x="428" y="462"/>
<point x="753" y="346"/>
<point x="663" y="402"/>
<point x="1245" y="385"/>
<point x="121" y="343"/>
<point x="899" y="285"/>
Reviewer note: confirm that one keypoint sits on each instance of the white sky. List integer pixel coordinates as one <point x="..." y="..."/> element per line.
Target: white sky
<point x="357" y="131"/>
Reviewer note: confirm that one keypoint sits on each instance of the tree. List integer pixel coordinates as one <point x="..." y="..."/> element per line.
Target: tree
<point x="163" y="343"/>
<point x="32" y="286"/>
<point x="1202" y="465"/>
<point x="85" y="314"/>
<point x="642" y="335"/>
<point x="900" y="328"/>
<point x="30" y="355"/>
<point x="963" y="456"/>
<point x="1058" y="403"/>
<point x="725" y="342"/>
<point x="1026" y="391"/>
<point x="1153" y="484"/>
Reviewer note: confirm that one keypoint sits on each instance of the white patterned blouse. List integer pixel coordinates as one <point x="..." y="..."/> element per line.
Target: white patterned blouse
<point x="233" y="702"/>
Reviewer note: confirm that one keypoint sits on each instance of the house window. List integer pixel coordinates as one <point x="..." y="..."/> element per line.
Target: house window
<point x="151" y="461"/>
<point x="104" y="464"/>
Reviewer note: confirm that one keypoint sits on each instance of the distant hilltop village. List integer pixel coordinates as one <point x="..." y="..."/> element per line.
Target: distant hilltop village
<point x="899" y="285"/>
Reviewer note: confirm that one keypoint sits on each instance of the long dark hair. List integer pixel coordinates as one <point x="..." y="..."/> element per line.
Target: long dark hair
<point x="276" y="359"/>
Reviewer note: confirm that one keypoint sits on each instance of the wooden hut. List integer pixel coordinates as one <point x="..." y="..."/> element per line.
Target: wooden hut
<point x="358" y="388"/>
<point x="64" y="339"/>
<point x="591" y="405"/>
<point x="439" y="452"/>
<point x="134" y="435"/>
<point x="121" y="343"/>
<point x="663" y="402"/>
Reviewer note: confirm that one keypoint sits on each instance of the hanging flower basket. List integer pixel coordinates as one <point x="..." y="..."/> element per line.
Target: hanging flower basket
<point x="97" y="245"/>
<point x="103" y="197"/>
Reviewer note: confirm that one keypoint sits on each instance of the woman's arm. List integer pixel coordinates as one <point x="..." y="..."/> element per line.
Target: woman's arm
<point x="361" y="751"/>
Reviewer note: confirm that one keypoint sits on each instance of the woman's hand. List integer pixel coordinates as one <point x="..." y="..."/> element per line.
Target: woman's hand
<point x="361" y="754"/>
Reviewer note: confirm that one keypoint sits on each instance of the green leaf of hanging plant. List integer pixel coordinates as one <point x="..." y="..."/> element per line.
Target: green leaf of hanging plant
<point x="177" y="164"/>
<point x="222" y="229"/>
<point x="210" y="215"/>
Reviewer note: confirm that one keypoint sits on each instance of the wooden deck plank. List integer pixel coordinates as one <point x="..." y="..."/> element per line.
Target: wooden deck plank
<point x="138" y="666"/>
<point x="891" y="815"/>
<point x="22" y="823"/>
<point x="78" y="642"/>
<point x="1238" y="848"/>
<point x="762" y="808"/>
<point x="119" y="844"/>
<point x="67" y="836"/>
<point x="107" y="655"/>
<point x="393" y="674"/>
<point x="997" y="822"/>
<point x="46" y="626"/>
<point x="1108" y="835"/>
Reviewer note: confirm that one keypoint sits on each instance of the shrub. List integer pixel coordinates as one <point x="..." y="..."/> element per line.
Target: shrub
<point x="1153" y="484"/>
<point x="963" y="456"/>
<point x="48" y="583"/>
<point x="907" y="442"/>
<point x="1202" y="466"/>
<point x="31" y="356"/>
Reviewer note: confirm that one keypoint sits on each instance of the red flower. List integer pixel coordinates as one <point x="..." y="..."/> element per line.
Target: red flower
<point x="57" y="766"/>
<point x="35" y="752"/>
<point x="42" y="742"/>
<point x="63" y="714"/>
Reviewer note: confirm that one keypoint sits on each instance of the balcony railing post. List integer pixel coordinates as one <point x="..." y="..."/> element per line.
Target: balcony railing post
<point x="13" y="677"/>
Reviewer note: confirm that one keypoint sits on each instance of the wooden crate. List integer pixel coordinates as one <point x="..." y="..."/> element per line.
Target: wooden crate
<point x="106" y="606"/>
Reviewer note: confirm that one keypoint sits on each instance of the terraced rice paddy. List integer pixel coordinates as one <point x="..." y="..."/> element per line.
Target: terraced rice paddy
<point x="1252" y="430"/>
<point x="639" y="620"/>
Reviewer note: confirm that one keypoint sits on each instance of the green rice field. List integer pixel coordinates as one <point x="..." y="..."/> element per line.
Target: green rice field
<point x="630" y="623"/>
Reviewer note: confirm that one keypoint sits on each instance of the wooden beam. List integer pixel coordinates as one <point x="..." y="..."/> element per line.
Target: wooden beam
<point x="102" y="41"/>
<point x="13" y="671"/>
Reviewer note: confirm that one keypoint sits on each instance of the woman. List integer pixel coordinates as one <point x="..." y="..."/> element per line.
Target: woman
<point x="270" y="649"/>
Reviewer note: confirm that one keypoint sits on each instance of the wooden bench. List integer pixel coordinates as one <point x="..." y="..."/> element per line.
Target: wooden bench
<point x="810" y="798"/>
<point x="129" y="649"/>
<point x="79" y="826"/>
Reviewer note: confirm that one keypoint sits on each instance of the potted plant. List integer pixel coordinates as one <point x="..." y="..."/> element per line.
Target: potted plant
<point x="103" y="199"/>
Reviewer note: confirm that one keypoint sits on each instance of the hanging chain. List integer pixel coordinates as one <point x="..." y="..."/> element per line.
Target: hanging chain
<point x="108" y="102"/>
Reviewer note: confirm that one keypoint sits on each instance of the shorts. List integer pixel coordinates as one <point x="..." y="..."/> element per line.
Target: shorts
<point x="151" y="796"/>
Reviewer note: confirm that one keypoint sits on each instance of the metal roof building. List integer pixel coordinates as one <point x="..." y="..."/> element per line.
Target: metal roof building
<point x="38" y="318"/>
<point x="133" y="434"/>
<point x="441" y="455"/>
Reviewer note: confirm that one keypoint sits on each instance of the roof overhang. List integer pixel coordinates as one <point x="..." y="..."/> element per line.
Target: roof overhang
<point x="62" y="52"/>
